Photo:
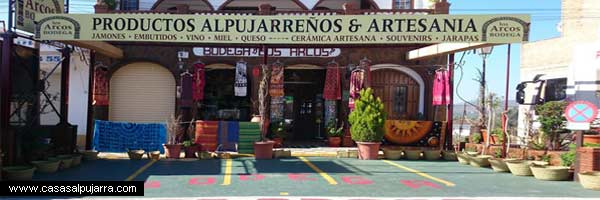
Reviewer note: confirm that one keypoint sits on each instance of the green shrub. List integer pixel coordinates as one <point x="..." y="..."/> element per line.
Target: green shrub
<point x="552" y="120"/>
<point x="593" y="145"/>
<point x="476" y="138"/>
<point x="367" y="118"/>
<point x="567" y="159"/>
<point x="333" y="130"/>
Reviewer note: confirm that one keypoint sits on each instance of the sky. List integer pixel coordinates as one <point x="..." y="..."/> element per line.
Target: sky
<point x="545" y="16"/>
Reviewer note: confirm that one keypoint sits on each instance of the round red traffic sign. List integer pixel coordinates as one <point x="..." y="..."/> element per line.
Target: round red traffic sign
<point x="581" y="111"/>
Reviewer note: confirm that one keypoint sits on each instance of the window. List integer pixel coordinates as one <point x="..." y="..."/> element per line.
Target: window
<point x="400" y="100"/>
<point x="129" y="4"/>
<point x="556" y="89"/>
<point x="403" y="4"/>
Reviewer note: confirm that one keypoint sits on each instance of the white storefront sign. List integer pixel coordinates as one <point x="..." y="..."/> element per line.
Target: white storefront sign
<point x="273" y="52"/>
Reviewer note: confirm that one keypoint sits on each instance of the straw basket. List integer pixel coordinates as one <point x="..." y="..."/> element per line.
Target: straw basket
<point x="46" y="166"/>
<point x="463" y="158"/>
<point x="154" y="155"/>
<point x="449" y="155"/>
<point x="590" y="180"/>
<point x="432" y="154"/>
<point x="519" y="167"/>
<point x="480" y="161"/>
<point x="19" y="173"/>
<point x="498" y="165"/>
<point x="76" y="159"/>
<point x="90" y="154"/>
<point x="65" y="161"/>
<point x="550" y="173"/>
<point x="392" y="154"/>
<point x="412" y="154"/>
<point x="135" y="154"/>
<point x="204" y="155"/>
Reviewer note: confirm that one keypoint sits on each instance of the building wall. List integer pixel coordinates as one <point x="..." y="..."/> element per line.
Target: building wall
<point x="552" y="57"/>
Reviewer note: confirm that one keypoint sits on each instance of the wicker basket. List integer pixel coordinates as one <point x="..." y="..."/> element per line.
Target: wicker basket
<point x="449" y="155"/>
<point x="392" y="154"/>
<point x="480" y="161"/>
<point x="154" y="155"/>
<point x="204" y="155"/>
<point x="19" y="173"/>
<point x="412" y="154"/>
<point x="463" y="158"/>
<point x="76" y="159"/>
<point x="498" y="165"/>
<point x="590" y="180"/>
<point x="90" y="155"/>
<point x="65" y="161"/>
<point x="135" y="154"/>
<point x="472" y="153"/>
<point x="46" y="166"/>
<point x="432" y="154"/>
<point x="550" y="173"/>
<point x="519" y="167"/>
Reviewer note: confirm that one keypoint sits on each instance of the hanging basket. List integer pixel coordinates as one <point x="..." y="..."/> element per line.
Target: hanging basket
<point x="550" y="173"/>
<point x="463" y="158"/>
<point x="590" y="180"/>
<point x="480" y="161"/>
<point x="412" y="154"/>
<point x="449" y="155"/>
<point x="498" y="165"/>
<point x="392" y="154"/>
<point x="519" y="167"/>
<point x="45" y="166"/>
<point x="432" y="154"/>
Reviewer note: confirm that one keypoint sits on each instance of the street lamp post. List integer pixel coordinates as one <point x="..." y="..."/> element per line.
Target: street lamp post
<point x="484" y="53"/>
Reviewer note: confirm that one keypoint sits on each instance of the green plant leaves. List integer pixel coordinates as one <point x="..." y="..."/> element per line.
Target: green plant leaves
<point x="368" y="118"/>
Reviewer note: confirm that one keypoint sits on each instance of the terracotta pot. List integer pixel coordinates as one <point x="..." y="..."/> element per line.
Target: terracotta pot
<point x="190" y="152"/>
<point x="592" y="139"/>
<point x="263" y="150"/>
<point x="278" y="142"/>
<point x="334" y="141"/>
<point x="173" y="150"/>
<point x="483" y="135"/>
<point x="494" y="139"/>
<point x="19" y="173"/>
<point x="368" y="150"/>
<point x="392" y="154"/>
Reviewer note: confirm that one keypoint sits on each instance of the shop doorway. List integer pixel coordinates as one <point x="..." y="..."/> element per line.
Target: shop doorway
<point x="399" y="92"/>
<point x="304" y="104"/>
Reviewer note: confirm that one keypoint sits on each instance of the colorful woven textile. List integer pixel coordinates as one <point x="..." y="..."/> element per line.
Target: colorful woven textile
<point x="228" y="135"/>
<point x="199" y="82"/>
<point x="441" y="88"/>
<point x="120" y="136"/>
<point x="277" y="108"/>
<point x="100" y="87"/>
<point x="241" y="81"/>
<point x="277" y="76"/>
<point x="186" y="90"/>
<point x="249" y="132"/>
<point x="332" y="89"/>
<point x="330" y="111"/>
<point x="357" y="83"/>
<point x="206" y="135"/>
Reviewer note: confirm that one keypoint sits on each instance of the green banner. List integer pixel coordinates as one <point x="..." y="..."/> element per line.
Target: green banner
<point x="26" y="12"/>
<point x="233" y="29"/>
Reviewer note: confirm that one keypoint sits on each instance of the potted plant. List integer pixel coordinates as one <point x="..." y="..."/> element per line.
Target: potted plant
<point x="190" y="147"/>
<point x="476" y="138"/>
<point x="334" y="134"/>
<point x="366" y="124"/>
<point x="550" y="173"/>
<point x="519" y="167"/>
<point x="497" y="163"/>
<point x="173" y="147"/>
<point x="19" y="173"/>
<point x="590" y="180"/>
<point x="263" y="149"/>
<point x="480" y="161"/>
<point x="279" y="134"/>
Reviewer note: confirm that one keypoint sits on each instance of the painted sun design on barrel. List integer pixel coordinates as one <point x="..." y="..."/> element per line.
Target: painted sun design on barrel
<point x="406" y="132"/>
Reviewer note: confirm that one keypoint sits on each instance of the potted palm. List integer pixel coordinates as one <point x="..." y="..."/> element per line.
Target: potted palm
<point x="263" y="149"/>
<point x="334" y="134"/>
<point x="366" y="124"/>
<point x="173" y="147"/>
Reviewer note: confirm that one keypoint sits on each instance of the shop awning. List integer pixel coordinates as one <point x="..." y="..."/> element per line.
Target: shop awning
<point x="443" y="49"/>
<point x="103" y="48"/>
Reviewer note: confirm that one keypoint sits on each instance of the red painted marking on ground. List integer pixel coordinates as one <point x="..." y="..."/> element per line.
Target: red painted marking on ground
<point x="252" y="177"/>
<point x="415" y="184"/>
<point x="300" y="177"/>
<point x="202" y="181"/>
<point x="314" y="199"/>
<point x="272" y="199"/>
<point x="211" y="199"/>
<point x="152" y="184"/>
<point x="356" y="180"/>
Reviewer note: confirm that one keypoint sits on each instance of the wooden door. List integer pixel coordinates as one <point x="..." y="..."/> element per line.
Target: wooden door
<point x="398" y="91"/>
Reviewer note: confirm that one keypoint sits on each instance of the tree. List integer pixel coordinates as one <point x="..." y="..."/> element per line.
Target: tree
<point x="550" y="115"/>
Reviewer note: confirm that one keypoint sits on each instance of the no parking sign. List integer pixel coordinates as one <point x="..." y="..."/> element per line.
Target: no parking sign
<point x="579" y="114"/>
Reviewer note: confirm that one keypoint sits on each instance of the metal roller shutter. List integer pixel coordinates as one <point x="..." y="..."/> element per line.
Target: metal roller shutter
<point x="142" y="92"/>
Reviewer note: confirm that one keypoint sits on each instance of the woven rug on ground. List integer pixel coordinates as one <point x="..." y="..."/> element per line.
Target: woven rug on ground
<point x="228" y="135"/>
<point x="120" y="136"/>
<point x="249" y="132"/>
